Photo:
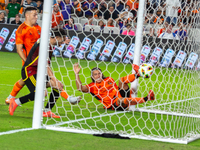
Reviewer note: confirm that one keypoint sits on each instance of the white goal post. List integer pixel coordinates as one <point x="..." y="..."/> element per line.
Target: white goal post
<point x="174" y="115"/>
<point x="42" y="61"/>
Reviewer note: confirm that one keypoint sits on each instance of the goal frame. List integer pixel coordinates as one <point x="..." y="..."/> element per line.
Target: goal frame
<point x="40" y="86"/>
<point x="42" y="61"/>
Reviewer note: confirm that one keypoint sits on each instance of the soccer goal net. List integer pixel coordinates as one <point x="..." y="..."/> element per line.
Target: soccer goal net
<point x="112" y="35"/>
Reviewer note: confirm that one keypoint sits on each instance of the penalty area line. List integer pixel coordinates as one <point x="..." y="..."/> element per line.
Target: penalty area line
<point x="6" y="85"/>
<point x="15" y="131"/>
<point x="10" y="68"/>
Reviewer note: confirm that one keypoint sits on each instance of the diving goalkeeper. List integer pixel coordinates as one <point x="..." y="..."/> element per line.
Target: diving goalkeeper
<point x="106" y="91"/>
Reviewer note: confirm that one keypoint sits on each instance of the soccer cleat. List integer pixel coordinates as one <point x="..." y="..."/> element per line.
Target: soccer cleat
<point x="151" y="95"/>
<point x="50" y="114"/>
<point x="74" y="100"/>
<point x="13" y="105"/>
<point x="7" y="101"/>
<point x="136" y="68"/>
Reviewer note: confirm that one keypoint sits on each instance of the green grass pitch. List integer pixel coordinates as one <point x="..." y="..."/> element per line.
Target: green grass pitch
<point x="10" y="66"/>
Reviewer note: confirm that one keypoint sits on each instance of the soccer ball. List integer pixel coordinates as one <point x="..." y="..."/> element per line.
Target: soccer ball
<point x="74" y="100"/>
<point x="146" y="70"/>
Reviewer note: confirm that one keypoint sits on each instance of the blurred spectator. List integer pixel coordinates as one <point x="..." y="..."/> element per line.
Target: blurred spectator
<point x="122" y="23"/>
<point x="2" y="17"/>
<point x="168" y="34"/>
<point x="101" y="7"/>
<point x="153" y="19"/>
<point x="17" y="20"/>
<point x="110" y="23"/>
<point x="149" y="9"/>
<point x="172" y="10"/>
<point x="162" y="30"/>
<point x="154" y="4"/>
<point x="29" y="3"/>
<point x="66" y="8"/>
<point x="157" y="24"/>
<point x="187" y="20"/>
<point x="198" y="5"/>
<point x="88" y="7"/>
<point x="90" y="19"/>
<point x="184" y="3"/>
<point x="39" y="6"/>
<point x="57" y="1"/>
<point x="118" y="6"/>
<point x="96" y="13"/>
<point x="181" y="33"/>
<point x="57" y="18"/>
<point x="134" y="5"/>
<point x="70" y="25"/>
<point x="128" y="30"/>
<point x="126" y="14"/>
<point x="18" y="1"/>
<point x="153" y="22"/>
<point x="12" y="9"/>
<point x="110" y="13"/>
<point x="2" y="4"/>
<point x="101" y="24"/>
<point x="77" y="7"/>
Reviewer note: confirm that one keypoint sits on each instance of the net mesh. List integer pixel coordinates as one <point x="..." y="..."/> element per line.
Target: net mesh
<point x="102" y="35"/>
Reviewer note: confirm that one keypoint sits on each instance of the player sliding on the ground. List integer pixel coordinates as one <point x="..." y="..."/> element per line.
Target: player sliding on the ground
<point x="106" y="91"/>
<point x="29" y="73"/>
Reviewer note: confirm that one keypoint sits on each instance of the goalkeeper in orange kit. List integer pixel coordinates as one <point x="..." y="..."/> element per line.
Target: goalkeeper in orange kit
<point x="106" y="91"/>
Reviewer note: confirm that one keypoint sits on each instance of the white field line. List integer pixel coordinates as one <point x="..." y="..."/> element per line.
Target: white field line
<point x="15" y="131"/>
<point x="6" y="85"/>
<point x="10" y="68"/>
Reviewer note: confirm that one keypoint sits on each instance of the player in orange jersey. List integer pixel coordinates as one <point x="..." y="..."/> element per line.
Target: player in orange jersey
<point x="26" y="35"/>
<point x="106" y="91"/>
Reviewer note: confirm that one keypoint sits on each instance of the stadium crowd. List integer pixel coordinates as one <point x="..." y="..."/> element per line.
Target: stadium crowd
<point x="163" y="18"/>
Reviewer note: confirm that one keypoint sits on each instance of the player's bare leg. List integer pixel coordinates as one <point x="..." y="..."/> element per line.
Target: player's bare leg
<point x="16" y="88"/>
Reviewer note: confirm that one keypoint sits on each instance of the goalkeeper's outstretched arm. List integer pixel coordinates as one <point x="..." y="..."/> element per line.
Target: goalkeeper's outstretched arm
<point x="79" y="85"/>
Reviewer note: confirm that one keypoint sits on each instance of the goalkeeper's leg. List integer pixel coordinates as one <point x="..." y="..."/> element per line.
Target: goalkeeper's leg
<point x="125" y="102"/>
<point x="123" y="82"/>
<point x="16" y="88"/>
